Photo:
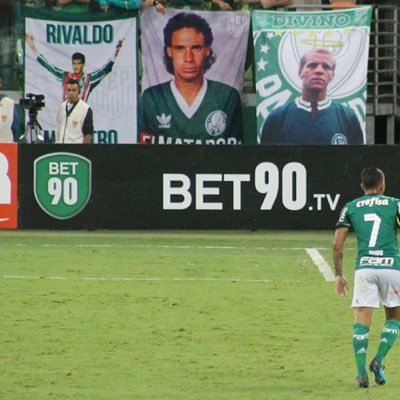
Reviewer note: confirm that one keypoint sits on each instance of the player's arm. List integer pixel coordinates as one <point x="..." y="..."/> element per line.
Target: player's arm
<point x="342" y="229"/>
<point x="57" y="72"/>
<point x="337" y="248"/>
<point x="97" y="76"/>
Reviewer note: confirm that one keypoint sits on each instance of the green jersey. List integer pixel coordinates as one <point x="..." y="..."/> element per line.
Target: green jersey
<point x="87" y="82"/>
<point x="374" y="219"/>
<point x="215" y="116"/>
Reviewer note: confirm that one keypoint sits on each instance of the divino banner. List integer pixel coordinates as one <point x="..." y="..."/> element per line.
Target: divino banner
<point x="311" y="75"/>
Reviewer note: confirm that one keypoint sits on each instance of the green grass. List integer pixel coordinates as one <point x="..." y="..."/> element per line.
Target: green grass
<point x="176" y="316"/>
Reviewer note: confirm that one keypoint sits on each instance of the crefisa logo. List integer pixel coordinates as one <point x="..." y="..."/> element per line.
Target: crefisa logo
<point x="62" y="184"/>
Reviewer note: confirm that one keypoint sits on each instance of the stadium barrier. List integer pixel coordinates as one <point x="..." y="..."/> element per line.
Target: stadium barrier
<point x="192" y="187"/>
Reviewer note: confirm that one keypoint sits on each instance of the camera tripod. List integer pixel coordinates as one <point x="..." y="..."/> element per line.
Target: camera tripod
<point x="33" y="131"/>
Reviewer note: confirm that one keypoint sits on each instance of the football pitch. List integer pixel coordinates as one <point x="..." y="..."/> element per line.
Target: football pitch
<point x="178" y="315"/>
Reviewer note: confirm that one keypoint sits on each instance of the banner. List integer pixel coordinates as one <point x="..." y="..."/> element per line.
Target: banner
<point x="311" y="76"/>
<point x="8" y="186"/>
<point x="193" y="71"/>
<point x="101" y="54"/>
<point x="193" y="187"/>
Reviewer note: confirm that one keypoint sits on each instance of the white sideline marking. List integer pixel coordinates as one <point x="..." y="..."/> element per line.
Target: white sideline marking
<point x="161" y="246"/>
<point x="321" y="264"/>
<point x="144" y="279"/>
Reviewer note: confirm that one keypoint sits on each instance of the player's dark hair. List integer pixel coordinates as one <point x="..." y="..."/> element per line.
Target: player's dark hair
<point x="78" y="56"/>
<point x="303" y="59"/>
<point x="372" y="177"/>
<point x="187" y="20"/>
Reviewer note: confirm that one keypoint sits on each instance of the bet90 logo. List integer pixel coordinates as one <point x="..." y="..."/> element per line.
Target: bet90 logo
<point x="62" y="184"/>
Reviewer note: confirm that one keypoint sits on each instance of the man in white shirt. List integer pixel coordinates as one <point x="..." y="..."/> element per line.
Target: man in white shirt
<point x="9" y="121"/>
<point x="74" y="117"/>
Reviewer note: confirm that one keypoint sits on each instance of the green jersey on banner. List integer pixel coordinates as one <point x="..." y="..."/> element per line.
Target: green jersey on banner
<point x="374" y="219"/>
<point x="215" y="117"/>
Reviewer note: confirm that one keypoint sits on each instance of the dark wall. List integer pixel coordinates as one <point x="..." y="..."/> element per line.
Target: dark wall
<point x="304" y="186"/>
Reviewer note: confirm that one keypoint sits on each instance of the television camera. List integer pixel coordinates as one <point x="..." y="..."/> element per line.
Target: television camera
<point x="33" y="131"/>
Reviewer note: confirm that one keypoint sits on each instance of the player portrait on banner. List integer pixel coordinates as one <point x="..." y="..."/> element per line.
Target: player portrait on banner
<point x="87" y="81"/>
<point x="101" y="56"/>
<point x="311" y="74"/>
<point x="191" y="89"/>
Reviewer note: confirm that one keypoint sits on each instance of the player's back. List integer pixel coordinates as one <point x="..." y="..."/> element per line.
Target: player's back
<point x="374" y="220"/>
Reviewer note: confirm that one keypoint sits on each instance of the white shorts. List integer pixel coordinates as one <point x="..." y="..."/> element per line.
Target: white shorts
<point x="372" y="286"/>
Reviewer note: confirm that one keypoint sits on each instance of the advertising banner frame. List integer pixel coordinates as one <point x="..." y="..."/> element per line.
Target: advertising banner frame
<point x="211" y="187"/>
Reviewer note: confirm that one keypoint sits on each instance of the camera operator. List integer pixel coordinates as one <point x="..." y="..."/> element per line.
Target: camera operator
<point x="9" y="119"/>
<point x="74" y="117"/>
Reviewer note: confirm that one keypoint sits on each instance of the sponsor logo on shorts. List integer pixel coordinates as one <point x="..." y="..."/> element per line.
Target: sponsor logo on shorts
<point x="377" y="261"/>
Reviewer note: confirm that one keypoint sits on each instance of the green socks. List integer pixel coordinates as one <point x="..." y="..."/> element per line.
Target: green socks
<point x="360" y="345"/>
<point x="388" y="337"/>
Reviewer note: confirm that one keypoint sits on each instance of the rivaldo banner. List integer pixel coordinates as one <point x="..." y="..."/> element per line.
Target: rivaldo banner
<point x="193" y="71"/>
<point x="99" y="50"/>
<point x="311" y="74"/>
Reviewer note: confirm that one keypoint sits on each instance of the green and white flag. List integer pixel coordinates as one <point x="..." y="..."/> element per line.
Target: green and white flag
<point x="108" y="80"/>
<point x="282" y="38"/>
<point x="193" y="72"/>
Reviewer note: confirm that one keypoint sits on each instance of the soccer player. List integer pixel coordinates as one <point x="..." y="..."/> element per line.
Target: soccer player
<point x="190" y="109"/>
<point x="87" y="81"/>
<point x="74" y="118"/>
<point x="374" y="218"/>
<point x="313" y="118"/>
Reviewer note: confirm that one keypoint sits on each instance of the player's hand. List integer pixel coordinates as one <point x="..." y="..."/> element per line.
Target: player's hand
<point x="160" y="8"/>
<point x="30" y="42"/>
<point x="118" y="47"/>
<point x="341" y="286"/>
